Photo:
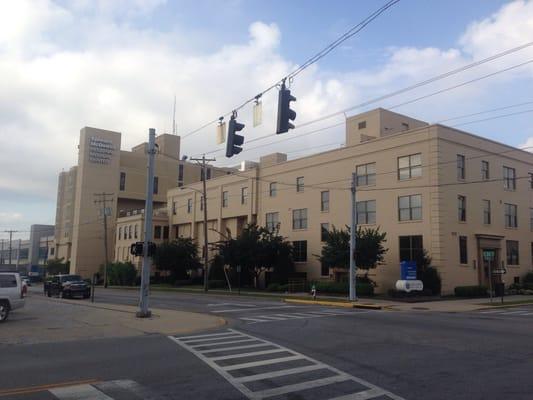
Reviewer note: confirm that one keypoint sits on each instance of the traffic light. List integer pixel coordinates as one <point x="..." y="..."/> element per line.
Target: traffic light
<point x="234" y="141"/>
<point x="136" y="249"/>
<point x="285" y="114"/>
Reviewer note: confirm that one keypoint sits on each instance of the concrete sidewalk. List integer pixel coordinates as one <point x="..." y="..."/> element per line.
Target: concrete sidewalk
<point x="46" y="319"/>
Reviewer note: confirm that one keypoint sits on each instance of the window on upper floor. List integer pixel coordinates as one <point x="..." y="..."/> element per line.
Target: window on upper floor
<point x="119" y="233"/>
<point x="273" y="189"/>
<point x="410" y="207"/>
<point x="244" y="195"/>
<point x="272" y="221"/>
<point x="461" y="208"/>
<point x="225" y="199"/>
<point x="201" y="203"/>
<point x="180" y="173"/>
<point x="410" y="166"/>
<point x="361" y="125"/>
<point x="129" y="232"/>
<point x="366" y="174"/>
<point x="300" y="184"/>
<point x="324" y="201"/>
<point x="135" y="231"/>
<point x="156" y="185"/>
<point x="299" y="250"/>
<point x="511" y="215"/>
<point x="485" y="170"/>
<point x="411" y="248"/>
<point x="530" y="180"/>
<point x="487" y="217"/>
<point x="463" y="250"/>
<point x="366" y="212"/>
<point x="189" y="206"/>
<point x="324" y="230"/>
<point x="299" y="218"/>
<point x="174" y="208"/>
<point x="461" y="168"/>
<point x="531" y="219"/>
<point x="509" y="178"/>
<point x="208" y="173"/>
<point x="122" y="181"/>
<point x="157" y="232"/>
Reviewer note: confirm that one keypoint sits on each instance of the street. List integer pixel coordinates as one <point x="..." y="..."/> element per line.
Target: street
<point x="287" y="352"/>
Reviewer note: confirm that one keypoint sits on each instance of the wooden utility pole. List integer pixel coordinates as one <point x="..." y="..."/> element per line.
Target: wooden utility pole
<point x="103" y="199"/>
<point x="11" y="232"/>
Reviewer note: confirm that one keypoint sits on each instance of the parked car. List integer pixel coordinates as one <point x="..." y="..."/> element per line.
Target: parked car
<point x="12" y="293"/>
<point x="67" y="286"/>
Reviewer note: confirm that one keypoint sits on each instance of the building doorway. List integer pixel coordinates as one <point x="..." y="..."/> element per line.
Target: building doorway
<point x="489" y="259"/>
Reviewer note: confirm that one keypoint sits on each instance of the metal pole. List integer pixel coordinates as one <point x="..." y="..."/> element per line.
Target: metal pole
<point x="93" y="281"/>
<point x="2" y="253"/>
<point x="490" y="280"/>
<point x="106" y="260"/>
<point x="144" y="312"/>
<point x="206" y="242"/>
<point x="353" y="229"/>
<point x="10" y="248"/>
<point x="18" y="255"/>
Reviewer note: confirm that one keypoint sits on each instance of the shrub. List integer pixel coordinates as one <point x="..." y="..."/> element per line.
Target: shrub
<point x="431" y="279"/>
<point x="218" y="284"/>
<point x="119" y="273"/>
<point x="528" y="278"/>
<point x="400" y="294"/>
<point x="470" y="291"/>
<point x="273" y="287"/>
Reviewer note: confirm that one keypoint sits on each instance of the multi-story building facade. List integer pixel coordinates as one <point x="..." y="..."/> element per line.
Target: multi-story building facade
<point x="429" y="187"/>
<point x="103" y="168"/>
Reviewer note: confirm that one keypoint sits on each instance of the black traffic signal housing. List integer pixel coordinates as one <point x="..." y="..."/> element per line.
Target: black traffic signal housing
<point x="234" y="141"/>
<point x="285" y="114"/>
<point x="137" y="249"/>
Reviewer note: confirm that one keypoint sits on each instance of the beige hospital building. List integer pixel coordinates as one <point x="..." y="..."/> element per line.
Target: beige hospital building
<point x="429" y="187"/>
<point x="104" y="168"/>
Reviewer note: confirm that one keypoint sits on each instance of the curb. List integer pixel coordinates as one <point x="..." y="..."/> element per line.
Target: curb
<point x="342" y="304"/>
<point x="497" y="306"/>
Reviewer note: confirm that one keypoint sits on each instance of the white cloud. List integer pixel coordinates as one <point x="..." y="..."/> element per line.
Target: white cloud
<point x="527" y="145"/>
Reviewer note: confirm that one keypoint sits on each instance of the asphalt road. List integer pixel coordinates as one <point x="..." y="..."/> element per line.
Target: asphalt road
<point x="322" y="353"/>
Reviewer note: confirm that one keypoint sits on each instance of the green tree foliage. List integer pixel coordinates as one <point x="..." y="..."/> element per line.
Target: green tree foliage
<point x="57" y="266"/>
<point x="428" y="274"/>
<point x="369" y="252"/>
<point x="120" y="273"/>
<point x="256" y="250"/>
<point x="177" y="257"/>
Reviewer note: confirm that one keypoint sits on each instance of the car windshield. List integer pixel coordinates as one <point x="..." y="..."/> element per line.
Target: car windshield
<point x="71" y="278"/>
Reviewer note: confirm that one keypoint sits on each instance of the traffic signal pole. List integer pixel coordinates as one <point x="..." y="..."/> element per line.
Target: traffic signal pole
<point x="353" y="229"/>
<point x="144" y="312"/>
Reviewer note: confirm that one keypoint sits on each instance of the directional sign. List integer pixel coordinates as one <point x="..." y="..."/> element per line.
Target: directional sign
<point x="408" y="270"/>
<point x="488" y="255"/>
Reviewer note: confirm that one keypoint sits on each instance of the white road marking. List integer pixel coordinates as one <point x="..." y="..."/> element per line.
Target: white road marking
<point x="228" y="336"/>
<point x="520" y="312"/>
<point x="370" y="391"/>
<point x="283" y="317"/>
<point x="218" y="343"/>
<point x="248" y="346"/>
<point x="248" y="309"/>
<point x="79" y="392"/>
<point x="202" y="336"/>
<point x="491" y="312"/>
<point x="231" y="304"/>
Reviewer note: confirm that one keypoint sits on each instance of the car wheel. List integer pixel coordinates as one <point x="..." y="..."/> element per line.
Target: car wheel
<point x="4" y="311"/>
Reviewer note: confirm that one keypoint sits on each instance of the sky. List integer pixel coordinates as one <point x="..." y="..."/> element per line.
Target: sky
<point x="117" y="65"/>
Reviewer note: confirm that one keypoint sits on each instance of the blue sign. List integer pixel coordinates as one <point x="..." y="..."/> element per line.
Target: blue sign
<point x="408" y="270"/>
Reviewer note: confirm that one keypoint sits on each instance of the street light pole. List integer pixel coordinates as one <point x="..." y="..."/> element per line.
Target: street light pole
<point x="353" y="228"/>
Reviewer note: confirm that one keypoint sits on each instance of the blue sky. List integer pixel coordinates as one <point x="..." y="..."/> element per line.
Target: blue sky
<point x="117" y="65"/>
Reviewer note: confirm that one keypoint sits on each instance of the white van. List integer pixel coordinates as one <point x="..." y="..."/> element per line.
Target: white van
<point x="12" y="293"/>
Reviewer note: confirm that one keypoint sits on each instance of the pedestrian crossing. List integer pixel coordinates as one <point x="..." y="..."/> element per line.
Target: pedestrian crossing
<point x="509" y="312"/>
<point x="108" y="390"/>
<point x="298" y="315"/>
<point x="261" y="369"/>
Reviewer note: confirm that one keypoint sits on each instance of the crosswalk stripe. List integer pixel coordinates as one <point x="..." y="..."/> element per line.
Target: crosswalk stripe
<point x="520" y="312"/>
<point x="282" y="372"/>
<point x="219" y="343"/>
<point x="491" y="312"/>
<point x="365" y="395"/>
<point x="79" y="392"/>
<point x="228" y="336"/>
<point x="262" y="362"/>
<point x="220" y="349"/>
<point x="253" y="353"/>
<point x="271" y="317"/>
<point x="252" y="319"/>
<point x="202" y="336"/>
<point x="301" y="386"/>
<point x="251" y="309"/>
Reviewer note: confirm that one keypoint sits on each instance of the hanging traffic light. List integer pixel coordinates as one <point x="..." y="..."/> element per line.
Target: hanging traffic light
<point x="234" y="141"/>
<point x="285" y="114"/>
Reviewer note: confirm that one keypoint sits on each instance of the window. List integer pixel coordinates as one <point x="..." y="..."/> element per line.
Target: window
<point x="129" y="232"/>
<point x="272" y="221"/>
<point x="324" y="201"/>
<point x="119" y="233"/>
<point x="201" y="174"/>
<point x="8" y="281"/>
<point x="135" y="231"/>
<point x="361" y="125"/>
<point x="461" y="208"/>
<point x="52" y="251"/>
<point x="511" y="218"/>
<point x="410" y="207"/>
<point x="273" y="189"/>
<point x="460" y="166"/>
<point x="299" y="218"/>
<point x="366" y="174"/>
<point x="486" y="212"/>
<point x="189" y="206"/>
<point x="208" y="173"/>
<point x="180" y="173"/>
<point x="244" y="195"/>
<point x="405" y="126"/>
<point x="157" y="232"/>
<point x="512" y="252"/>
<point x="509" y="178"/>
<point x="299" y="250"/>
<point x="174" y="208"/>
<point x="463" y="250"/>
<point x="531" y="219"/>
<point x="324" y="269"/>
<point x="225" y="199"/>
<point x="411" y="248"/>
<point x="156" y="184"/>
<point x="410" y="167"/>
<point x="324" y="229"/>
<point x="165" y="232"/>
<point x="485" y="173"/>
<point x="122" y="181"/>
<point x="300" y="184"/>
<point x="530" y="180"/>
<point x="366" y="212"/>
<point x="201" y="203"/>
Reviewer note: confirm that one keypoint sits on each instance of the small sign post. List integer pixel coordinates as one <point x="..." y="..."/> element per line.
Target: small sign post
<point x="488" y="255"/>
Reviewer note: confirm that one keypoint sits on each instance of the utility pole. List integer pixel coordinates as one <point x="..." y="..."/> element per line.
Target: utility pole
<point x="203" y="162"/>
<point x="103" y="199"/>
<point x="11" y="232"/>
<point x="2" y="254"/>
<point x="144" y="312"/>
<point x="18" y="255"/>
<point x="353" y="228"/>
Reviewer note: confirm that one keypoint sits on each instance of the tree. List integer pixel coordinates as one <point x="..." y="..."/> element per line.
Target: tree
<point x="369" y="251"/>
<point x="429" y="275"/>
<point x="120" y="273"/>
<point x="57" y="266"/>
<point x="256" y="250"/>
<point x="177" y="257"/>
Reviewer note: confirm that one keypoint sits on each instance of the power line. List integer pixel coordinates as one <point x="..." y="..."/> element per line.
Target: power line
<point x="321" y="54"/>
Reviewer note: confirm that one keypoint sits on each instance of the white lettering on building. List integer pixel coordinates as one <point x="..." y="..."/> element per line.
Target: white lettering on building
<point x="100" y="150"/>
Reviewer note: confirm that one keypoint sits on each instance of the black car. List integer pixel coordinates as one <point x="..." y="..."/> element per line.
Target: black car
<point x="67" y="286"/>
